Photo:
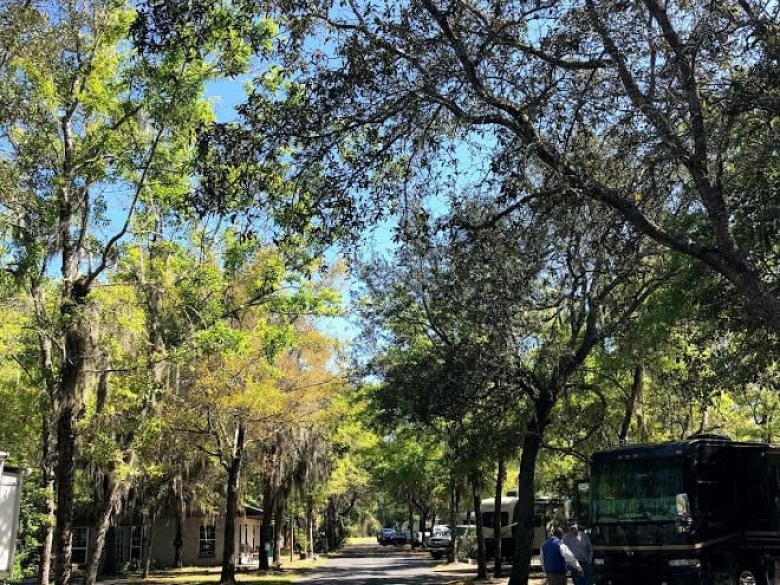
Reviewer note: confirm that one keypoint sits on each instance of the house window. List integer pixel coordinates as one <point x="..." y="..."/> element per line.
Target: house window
<point x="136" y="535"/>
<point x="208" y="541"/>
<point x="80" y="544"/>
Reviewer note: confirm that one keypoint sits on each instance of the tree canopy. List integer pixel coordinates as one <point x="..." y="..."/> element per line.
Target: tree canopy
<point x="439" y="247"/>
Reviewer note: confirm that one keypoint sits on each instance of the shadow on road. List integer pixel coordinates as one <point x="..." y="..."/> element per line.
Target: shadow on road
<point x="376" y="565"/>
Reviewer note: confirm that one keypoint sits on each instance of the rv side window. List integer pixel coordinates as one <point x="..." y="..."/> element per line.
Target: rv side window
<point x="487" y="519"/>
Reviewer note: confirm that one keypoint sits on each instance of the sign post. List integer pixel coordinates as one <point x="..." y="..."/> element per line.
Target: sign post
<point x="10" y="502"/>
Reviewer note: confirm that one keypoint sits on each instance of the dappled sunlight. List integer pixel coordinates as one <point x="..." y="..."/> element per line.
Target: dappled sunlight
<point x="370" y="564"/>
<point x="289" y="572"/>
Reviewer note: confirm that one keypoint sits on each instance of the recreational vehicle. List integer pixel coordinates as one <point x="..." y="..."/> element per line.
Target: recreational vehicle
<point x="10" y="502"/>
<point x="704" y="511"/>
<point x="546" y="511"/>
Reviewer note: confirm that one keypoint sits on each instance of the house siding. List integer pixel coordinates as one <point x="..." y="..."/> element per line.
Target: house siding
<point x="163" y="552"/>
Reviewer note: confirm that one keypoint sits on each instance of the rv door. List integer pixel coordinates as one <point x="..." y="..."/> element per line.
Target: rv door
<point x="10" y="502"/>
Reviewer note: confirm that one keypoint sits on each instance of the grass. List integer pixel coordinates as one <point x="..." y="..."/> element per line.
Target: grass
<point x="210" y="575"/>
<point x="362" y="540"/>
<point x="464" y="574"/>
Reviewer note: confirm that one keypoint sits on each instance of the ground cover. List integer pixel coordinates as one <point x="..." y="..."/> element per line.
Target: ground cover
<point x="289" y="572"/>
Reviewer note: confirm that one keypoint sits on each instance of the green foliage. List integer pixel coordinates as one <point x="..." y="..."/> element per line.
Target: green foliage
<point x="19" y="382"/>
<point x="197" y="263"/>
<point x="31" y="521"/>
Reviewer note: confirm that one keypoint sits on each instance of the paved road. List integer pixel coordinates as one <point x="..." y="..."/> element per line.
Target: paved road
<point x="376" y="565"/>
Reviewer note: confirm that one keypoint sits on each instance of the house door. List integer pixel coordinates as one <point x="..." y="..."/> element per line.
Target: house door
<point x="121" y="544"/>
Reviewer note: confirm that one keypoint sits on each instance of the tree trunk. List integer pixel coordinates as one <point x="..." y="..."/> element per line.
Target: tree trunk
<point x="453" y="518"/>
<point x="71" y="380"/>
<point x="46" y="364"/>
<point x="47" y="538"/>
<point x="331" y="525"/>
<point x="423" y="519"/>
<point x="291" y="543"/>
<point x="110" y="561"/>
<point x="178" y="511"/>
<point x="310" y="528"/>
<point x="632" y="405"/>
<point x="497" y="556"/>
<point x="64" y="471"/>
<point x="228" y="575"/>
<point x="639" y="383"/>
<point x="266" y="534"/>
<point x="278" y="531"/>
<point x="110" y="500"/>
<point x="411" y="520"/>
<point x="147" y="541"/>
<point x="521" y="560"/>
<point x="48" y="532"/>
<point x="476" y="490"/>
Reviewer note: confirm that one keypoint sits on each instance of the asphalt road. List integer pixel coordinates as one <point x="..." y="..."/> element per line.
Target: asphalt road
<point x="377" y="565"/>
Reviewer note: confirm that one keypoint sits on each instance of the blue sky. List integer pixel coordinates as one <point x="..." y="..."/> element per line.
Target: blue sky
<point x="226" y="95"/>
<point x="378" y="240"/>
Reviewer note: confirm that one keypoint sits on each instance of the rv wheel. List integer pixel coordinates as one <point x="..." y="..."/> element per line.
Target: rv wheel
<point x="747" y="578"/>
<point x="750" y="577"/>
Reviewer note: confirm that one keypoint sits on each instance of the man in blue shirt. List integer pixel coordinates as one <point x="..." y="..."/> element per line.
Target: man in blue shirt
<point x="556" y="557"/>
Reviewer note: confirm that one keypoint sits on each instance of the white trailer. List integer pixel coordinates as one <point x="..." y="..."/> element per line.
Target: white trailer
<point x="546" y="510"/>
<point x="10" y="503"/>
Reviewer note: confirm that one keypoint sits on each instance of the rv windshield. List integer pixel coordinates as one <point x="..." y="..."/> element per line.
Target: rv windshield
<point x="636" y="490"/>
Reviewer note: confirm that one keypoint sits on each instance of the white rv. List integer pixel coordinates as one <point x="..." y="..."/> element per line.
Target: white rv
<point x="10" y="502"/>
<point x="546" y="512"/>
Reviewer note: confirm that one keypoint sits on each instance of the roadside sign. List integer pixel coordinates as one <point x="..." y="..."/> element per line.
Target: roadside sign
<point x="10" y="502"/>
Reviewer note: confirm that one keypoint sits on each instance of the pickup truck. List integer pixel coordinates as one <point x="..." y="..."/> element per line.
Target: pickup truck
<point x="439" y="542"/>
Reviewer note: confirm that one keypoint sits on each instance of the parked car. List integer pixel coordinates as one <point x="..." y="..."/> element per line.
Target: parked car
<point x="394" y="538"/>
<point x="439" y="542"/>
<point x="383" y="535"/>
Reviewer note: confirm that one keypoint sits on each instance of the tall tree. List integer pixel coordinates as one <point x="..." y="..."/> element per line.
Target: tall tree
<point x="525" y="302"/>
<point x="88" y="117"/>
<point x="533" y="91"/>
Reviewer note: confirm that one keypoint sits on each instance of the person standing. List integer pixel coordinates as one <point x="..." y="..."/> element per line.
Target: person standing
<point x="580" y="546"/>
<point x="555" y="557"/>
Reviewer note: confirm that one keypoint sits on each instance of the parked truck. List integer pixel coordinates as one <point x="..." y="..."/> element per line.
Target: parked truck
<point x="10" y="502"/>
<point x="704" y="511"/>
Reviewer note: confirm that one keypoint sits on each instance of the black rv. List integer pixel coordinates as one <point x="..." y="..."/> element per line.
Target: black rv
<point x="702" y="511"/>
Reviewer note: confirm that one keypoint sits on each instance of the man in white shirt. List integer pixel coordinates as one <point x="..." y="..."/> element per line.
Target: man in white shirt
<point x="555" y="557"/>
<point x="580" y="546"/>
